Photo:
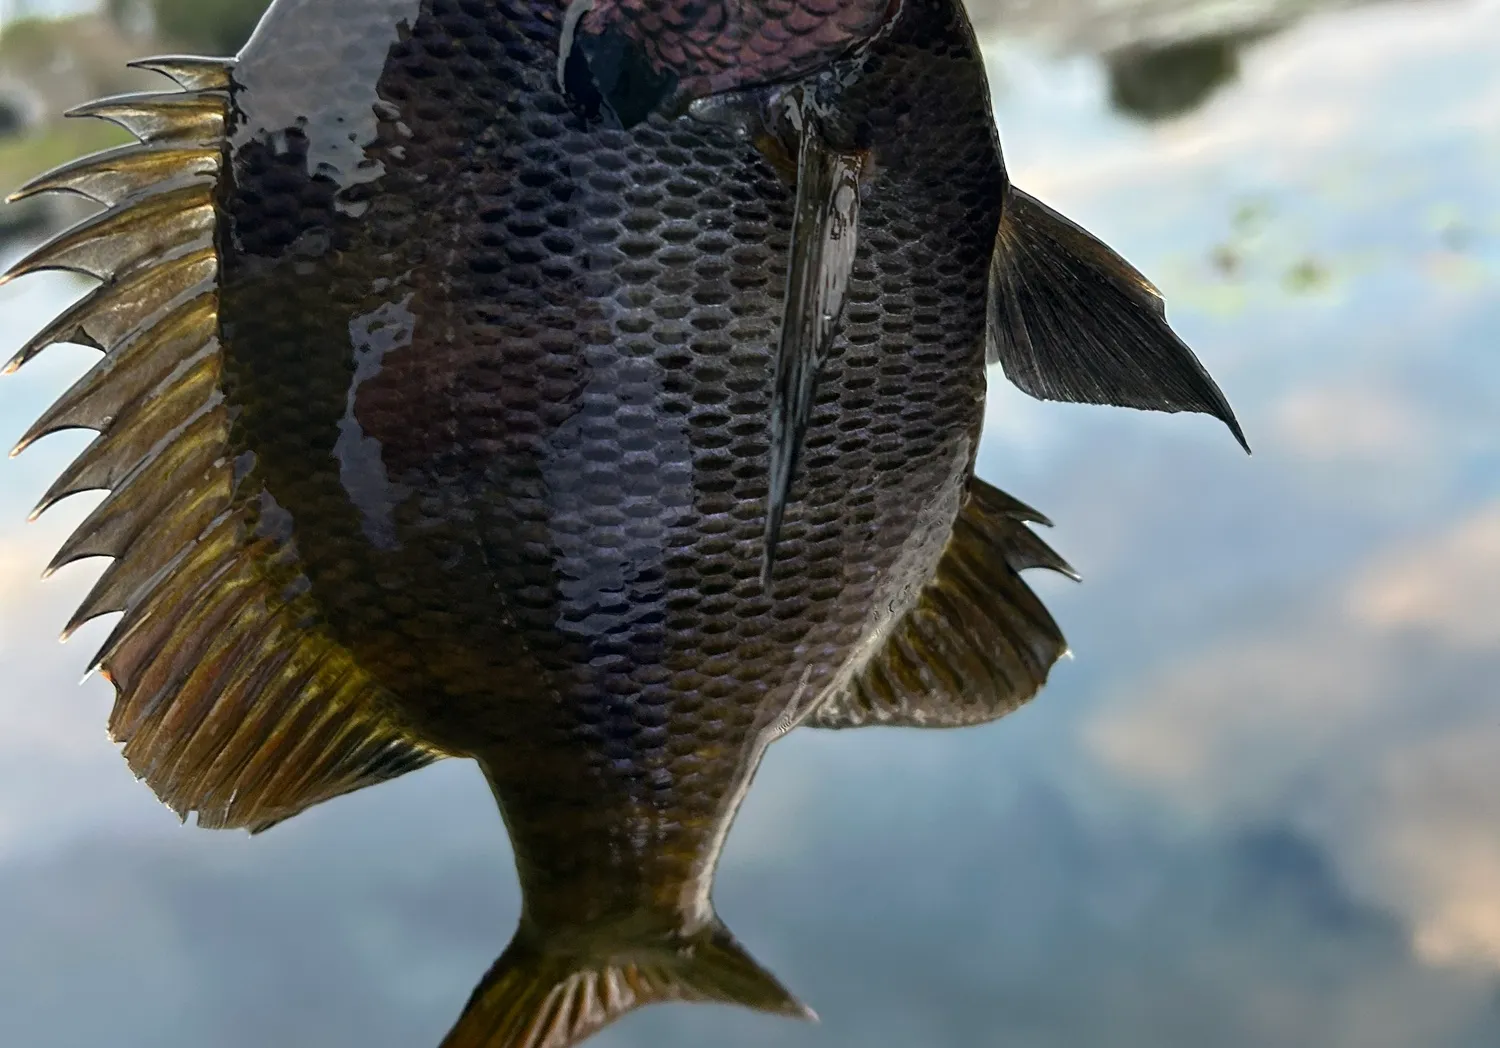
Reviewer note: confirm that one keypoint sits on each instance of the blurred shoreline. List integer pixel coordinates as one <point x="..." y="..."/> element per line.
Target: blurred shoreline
<point x="1163" y="59"/>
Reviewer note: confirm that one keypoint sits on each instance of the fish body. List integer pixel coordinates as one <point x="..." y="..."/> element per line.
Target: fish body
<point x="513" y="371"/>
<point x="456" y="404"/>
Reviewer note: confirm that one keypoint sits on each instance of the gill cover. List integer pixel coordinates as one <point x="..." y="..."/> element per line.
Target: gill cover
<point x="635" y="57"/>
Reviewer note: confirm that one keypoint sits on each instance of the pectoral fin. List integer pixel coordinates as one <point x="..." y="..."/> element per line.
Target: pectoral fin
<point x="977" y="645"/>
<point x="1070" y="320"/>
<point x="824" y="235"/>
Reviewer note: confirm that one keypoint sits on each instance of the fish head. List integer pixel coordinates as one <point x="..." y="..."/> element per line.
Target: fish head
<point x="624" y="60"/>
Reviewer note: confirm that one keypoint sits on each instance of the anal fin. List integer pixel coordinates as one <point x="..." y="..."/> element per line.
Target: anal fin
<point x="977" y="645"/>
<point x="1070" y="320"/>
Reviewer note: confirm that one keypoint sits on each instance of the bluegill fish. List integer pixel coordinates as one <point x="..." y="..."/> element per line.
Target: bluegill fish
<point x="591" y="393"/>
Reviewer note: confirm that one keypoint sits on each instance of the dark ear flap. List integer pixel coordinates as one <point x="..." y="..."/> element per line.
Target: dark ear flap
<point x="608" y="69"/>
<point x="1070" y="320"/>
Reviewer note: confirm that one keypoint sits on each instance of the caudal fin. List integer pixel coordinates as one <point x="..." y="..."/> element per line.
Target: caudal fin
<point x="1071" y="320"/>
<point x="537" y="998"/>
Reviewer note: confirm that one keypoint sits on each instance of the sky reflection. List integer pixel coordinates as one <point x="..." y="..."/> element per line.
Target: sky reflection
<point x="1259" y="807"/>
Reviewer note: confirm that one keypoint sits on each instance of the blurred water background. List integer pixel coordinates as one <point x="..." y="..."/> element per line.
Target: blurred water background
<point x="1260" y="807"/>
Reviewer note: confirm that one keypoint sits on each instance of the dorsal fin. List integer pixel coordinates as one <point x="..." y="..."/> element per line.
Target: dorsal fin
<point x="978" y="644"/>
<point x="228" y="702"/>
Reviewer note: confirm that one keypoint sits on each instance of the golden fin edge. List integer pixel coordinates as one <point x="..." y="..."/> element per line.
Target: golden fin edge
<point x="226" y="704"/>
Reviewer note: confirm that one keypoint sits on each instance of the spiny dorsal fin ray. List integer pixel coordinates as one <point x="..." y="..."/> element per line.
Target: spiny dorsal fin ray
<point x="108" y="461"/>
<point x="139" y="403"/>
<point x="112" y="311"/>
<point x="824" y="237"/>
<point x="143" y="230"/>
<point x="111" y="176"/>
<point x="977" y="644"/>
<point x="184" y="579"/>
<point x="176" y="492"/>
<point x="191" y="72"/>
<point x="227" y="702"/>
<point x="183" y="117"/>
<point x="137" y="370"/>
<point x="123" y="585"/>
<point x="1070" y="320"/>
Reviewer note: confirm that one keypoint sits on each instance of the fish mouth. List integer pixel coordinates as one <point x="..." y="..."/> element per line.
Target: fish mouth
<point x="609" y="74"/>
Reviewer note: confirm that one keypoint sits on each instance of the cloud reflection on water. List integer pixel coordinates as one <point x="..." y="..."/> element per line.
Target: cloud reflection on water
<point x="1368" y="721"/>
<point x="1259" y="808"/>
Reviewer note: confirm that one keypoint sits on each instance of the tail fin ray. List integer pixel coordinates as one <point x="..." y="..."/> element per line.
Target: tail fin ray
<point x="536" y="998"/>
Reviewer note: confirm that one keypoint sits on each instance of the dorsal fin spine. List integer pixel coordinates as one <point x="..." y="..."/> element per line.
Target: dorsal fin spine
<point x="191" y="72"/>
<point x="183" y="117"/>
<point x="186" y="492"/>
<point x="119" y="590"/>
<point x="113" y="311"/>
<point x="230" y="700"/>
<point x="114" y="176"/>
<point x="133" y="233"/>
<point x="109" y="461"/>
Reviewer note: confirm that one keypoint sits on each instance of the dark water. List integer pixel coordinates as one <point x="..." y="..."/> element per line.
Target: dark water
<point x="1260" y="807"/>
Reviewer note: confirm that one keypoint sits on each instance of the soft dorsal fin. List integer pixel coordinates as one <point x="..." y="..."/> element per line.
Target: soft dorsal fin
<point x="228" y="703"/>
<point x="1071" y="320"/>
<point x="977" y="645"/>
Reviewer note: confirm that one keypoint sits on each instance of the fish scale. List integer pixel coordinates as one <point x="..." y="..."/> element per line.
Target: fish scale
<point x="605" y="407"/>
<point x="475" y="389"/>
<point x="666" y="339"/>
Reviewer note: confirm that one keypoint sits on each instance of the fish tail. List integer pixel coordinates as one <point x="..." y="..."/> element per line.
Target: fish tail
<point x="536" y="997"/>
